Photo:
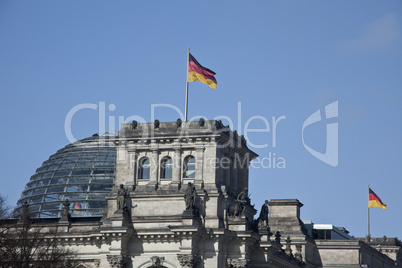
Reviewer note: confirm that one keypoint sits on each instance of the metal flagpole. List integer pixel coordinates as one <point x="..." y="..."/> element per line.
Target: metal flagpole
<point x="186" y="105"/>
<point x="368" y="213"/>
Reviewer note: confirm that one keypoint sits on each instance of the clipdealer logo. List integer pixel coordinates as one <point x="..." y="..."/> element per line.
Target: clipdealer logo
<point x="330" y="156"/>
<point x="271" y="161"/>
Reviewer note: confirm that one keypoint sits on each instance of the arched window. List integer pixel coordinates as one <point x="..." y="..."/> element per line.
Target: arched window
<point x="166" y="168"/>
<point x="189" y="167"/>
<point x="144" y="169"/>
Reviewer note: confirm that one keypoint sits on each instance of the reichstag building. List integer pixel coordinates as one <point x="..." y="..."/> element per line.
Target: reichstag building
<point x="150" y="197"/>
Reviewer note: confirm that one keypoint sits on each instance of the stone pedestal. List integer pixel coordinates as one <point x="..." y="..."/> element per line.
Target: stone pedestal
<point x="238" y="223"/>
<point x="191" y="217"/>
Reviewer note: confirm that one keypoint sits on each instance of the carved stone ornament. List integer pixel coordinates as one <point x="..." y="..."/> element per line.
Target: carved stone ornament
<point x="121" y="199"/>
<point x="188" y="260"/>
<point x="237" y="263"/>
<point x="156" y="123"/>
<point x="288" y="250"/>
<point x="96" y="263"/>
<point x="118" y="261"/>
<point x="298" y="254"/>
<point x="157" y="261"/>
<point x="25" y="213"/>
<point x="201" y="122"/>
<point x="278" y="237"/>
<point x="190" y="196"/>
<point x="237" y="209"/>
<point x="66" y="211"/>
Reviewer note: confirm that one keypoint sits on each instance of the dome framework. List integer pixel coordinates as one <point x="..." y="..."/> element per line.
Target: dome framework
<point x="81" y="173"/>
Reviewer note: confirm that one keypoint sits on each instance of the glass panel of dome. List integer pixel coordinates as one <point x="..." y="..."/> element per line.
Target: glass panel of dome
<point x="61" y="173"/>
<point x="84" y="164"/>
<point x="75" y="196"/>
<point x="58" y="161"/>
<point x="96" y="205"/>
<point x="104" y="164"/>
<point x="81" y="172"/>
<point x="47" y="175"/>
<point x="102" y="180"/>
<point x="27" y="193"/>
<point x="77" y="188"/>
<point x="57" y="189"/>
<point x="51" y="206"/>
<point x="52" y="167"/>
<point x="34" y="208"/>
<point x="79" y="180"/>
<point x="43" y="183"/>
<point x="31" y="185"/>
<point x="102" y="171"/>
<point x="98" y="212"/>
<point x="49" y="214"/>
<point x="53" y="197"/>
<point x="58" y="181"/>
<point x="66" y="165"/>
<point x="94" y="196"/>
<point x="35" y="200"/>
<point x="37" y="177"/>
<point x="39" y="191"/>
<point x="100" y="187"/>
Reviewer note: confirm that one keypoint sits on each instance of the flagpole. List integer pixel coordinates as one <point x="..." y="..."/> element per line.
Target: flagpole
<point x="186" y="105"/>
<point x="368" y="213"/>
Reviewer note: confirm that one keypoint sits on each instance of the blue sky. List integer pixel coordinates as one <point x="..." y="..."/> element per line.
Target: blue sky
<point x="272" y="59"/>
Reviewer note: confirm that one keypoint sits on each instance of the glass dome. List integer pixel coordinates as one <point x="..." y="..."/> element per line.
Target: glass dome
<point x="82" y="173"/>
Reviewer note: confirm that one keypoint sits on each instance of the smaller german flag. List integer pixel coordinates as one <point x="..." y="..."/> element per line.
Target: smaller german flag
<point x="375" y="201"/>
<point x="197" y="72"/>
<point x="77" y="208"/>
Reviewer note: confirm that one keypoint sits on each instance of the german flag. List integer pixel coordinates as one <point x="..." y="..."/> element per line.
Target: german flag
<point x="375" y="201"/>
<point x="197" y="72"/>
<point x="77" y="208"/>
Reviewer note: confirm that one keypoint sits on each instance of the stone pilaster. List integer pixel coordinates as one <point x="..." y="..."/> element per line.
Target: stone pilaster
<point x="176" y="176"/>
<point x="131" y="174"/>
<point x="199" y="158"/>
<point x="153" y="176"/>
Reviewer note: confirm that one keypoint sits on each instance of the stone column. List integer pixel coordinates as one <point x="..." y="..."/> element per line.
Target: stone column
<point x="131" y="174"/>
<point x="153" y="176"/>
<point x="199" y="166"/>
<point x="122" y="163"/>
<point x="177" y="173"/>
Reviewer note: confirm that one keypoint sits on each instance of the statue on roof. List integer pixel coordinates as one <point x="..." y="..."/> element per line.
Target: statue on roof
<point x="190" y="196"/>
<point x="121" y="198"/>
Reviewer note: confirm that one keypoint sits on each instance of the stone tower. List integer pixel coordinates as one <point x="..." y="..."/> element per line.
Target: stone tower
<point x="185" y="194"/>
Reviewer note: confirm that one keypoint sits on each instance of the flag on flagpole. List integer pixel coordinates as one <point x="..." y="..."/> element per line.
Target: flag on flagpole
<point x="197" y="72"/>
<point x="375" y="201"/>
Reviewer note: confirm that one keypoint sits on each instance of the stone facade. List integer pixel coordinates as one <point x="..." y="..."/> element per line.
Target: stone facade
<point x="180" y="200"/>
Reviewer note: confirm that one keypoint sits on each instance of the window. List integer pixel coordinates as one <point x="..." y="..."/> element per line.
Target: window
<point x="144" y="169"/>
<point x="189" y="167"/>
<point x="166" y="168"/>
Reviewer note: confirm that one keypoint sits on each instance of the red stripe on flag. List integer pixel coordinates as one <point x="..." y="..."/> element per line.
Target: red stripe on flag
<point x="193" y="67"/>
